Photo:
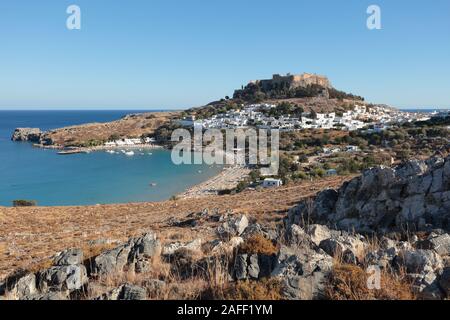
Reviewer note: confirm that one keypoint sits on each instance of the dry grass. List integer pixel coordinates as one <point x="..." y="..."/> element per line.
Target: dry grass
<point x="218" y="286"/>
<point x="349" y="282"/>
<point x="90" y="251"/>
<point x="35" y="234"/>
<point x="176" y="286"/>
<point x="3" y="248"/>
<point x="257" y="244"/>
<point x="264" y="289"/>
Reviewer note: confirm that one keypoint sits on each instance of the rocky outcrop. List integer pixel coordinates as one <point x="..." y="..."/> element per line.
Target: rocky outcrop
<point x="439" y="243"/>
<point x="402" y="202"/>
<point x="253" y="266"/>
<point x="172" y="248"/>
<point x="125" y="292"/>
<point x="67" y="275"/>
<point x="27" y="134"/>
<point x="412" y="196"/>
<point x="70" y="273"/>
<point x="232" y="226"/>
<point x="302" y="271"/>
<point x="134" y="255"/>
<point x="302" y="261"/>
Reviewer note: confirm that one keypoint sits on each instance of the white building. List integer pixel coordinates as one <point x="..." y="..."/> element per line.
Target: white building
<point x="270" y="182"/>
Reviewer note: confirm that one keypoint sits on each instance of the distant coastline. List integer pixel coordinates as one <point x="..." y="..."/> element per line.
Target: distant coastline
<point x="423" y="110"/>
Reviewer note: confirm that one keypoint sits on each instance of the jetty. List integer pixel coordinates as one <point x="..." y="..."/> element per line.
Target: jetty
<point x="72" y="151"/>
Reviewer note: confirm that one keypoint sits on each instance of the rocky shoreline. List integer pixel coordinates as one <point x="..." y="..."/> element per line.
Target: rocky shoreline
<point x="96" y="134"/>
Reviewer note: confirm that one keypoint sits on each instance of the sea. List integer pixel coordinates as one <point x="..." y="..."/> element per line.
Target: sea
<point x="422" y="110"/>
<point x="41" y="175"/>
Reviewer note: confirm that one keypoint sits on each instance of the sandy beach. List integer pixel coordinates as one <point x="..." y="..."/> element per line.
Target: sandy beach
<point x="227" y="179"/>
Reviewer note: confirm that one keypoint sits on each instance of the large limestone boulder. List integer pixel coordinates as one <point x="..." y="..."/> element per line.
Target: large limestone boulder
<point x="125" y="292"/>
<point x="232" y="226"/>
<point x="318" y="233"/>
<point x="350" y="248"/>
<point x="68" y="257"/>
<point x="253" y="266"/>
<point x="420" y="261"/>
<point x="134" y="255"/>
<point x="296" y="235"/>
<point x="111" y="261"/>
<point x="440" y="244"/>
<point x="24" y="288"/>
<point x="62" y="278"/>
<point x="302" y="271"/>
<point x="172" y="248"/>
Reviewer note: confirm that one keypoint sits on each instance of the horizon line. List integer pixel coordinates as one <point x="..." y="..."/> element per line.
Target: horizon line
<point x="168" y="109"/>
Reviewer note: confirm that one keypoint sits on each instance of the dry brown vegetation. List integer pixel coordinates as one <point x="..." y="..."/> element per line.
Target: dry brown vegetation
<point x="349" y="282"/>
<point x="211" y="284"/>
<point x="264" y="289"/>
<point x="30" y="236"/>
<point x="173" y="287"/>
<point x="257" y="244"/>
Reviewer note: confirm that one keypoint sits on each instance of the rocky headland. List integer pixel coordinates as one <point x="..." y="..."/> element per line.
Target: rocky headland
<point x="96" y="134"/>
<point x="27" y="134"/>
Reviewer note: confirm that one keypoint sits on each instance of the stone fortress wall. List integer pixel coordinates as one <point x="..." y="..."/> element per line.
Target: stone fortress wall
<point x="294" y="81"/>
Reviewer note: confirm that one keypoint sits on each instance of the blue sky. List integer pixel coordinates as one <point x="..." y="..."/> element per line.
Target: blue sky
<point x="155" y="54"/>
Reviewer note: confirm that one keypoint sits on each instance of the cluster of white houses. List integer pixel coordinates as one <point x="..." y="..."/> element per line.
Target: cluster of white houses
<point x="129" y="142"/>
<point x="379" y="117"/>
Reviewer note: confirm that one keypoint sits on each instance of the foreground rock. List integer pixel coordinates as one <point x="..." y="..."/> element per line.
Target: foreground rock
<point x="301" y="259"/>
<point x="232" y="226"/>
<point x="125" y="292"/>
<point x="303" y="272"/>
<point x="135" y="256"/>
<point x="67" y="275"/>
<point x="412" y="196"/>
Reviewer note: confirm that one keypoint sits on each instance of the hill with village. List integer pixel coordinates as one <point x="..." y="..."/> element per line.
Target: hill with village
<point x="312" y="92"/>
<point x="359" y="186"/>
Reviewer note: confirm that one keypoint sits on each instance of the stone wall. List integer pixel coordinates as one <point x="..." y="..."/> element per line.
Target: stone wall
<point x="295" y="81"/>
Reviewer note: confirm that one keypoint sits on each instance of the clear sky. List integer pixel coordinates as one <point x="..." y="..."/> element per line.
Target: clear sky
<point x="156" y="54"/>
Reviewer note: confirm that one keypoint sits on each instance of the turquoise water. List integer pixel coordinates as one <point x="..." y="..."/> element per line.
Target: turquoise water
<point x="82" y="179"/>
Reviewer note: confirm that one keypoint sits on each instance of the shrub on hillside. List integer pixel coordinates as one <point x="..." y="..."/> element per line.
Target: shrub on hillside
<point x="349" y="282"/>
<point x="24" y="203"/>
<point x="257" y="244"/>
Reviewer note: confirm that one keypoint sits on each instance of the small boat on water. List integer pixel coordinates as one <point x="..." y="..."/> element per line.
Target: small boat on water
<point x="153" y="184"/>
<point x="129" y="153"/>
